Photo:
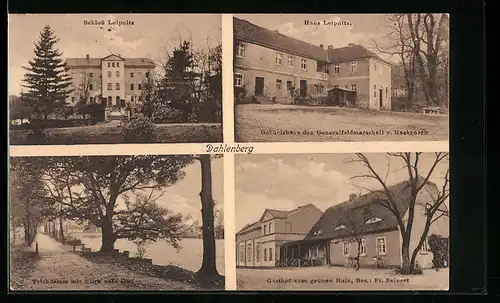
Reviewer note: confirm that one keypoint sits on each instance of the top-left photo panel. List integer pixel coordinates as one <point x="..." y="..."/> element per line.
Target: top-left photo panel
<point x="111" y="79"/>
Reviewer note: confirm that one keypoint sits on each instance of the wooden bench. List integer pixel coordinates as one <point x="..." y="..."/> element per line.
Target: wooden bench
<point x="76" y="243"/>
<point x="431" y="110"/>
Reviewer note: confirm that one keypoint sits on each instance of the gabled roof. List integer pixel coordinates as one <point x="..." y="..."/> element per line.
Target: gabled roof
<point x="283" y="214"/>
<point x="351" y="52"/>
<point x="367" y="205"/>
<point x="250" y="32"/>
<point x="96" y="62"/>
<point x="249" y="227"/>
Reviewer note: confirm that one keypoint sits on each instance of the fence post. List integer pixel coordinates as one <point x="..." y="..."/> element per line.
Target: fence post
<point x="36" y="247"/>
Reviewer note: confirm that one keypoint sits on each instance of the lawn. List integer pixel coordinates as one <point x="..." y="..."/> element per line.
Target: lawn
<point x="109" y="133"/>
<point x="338" y="278"/>
<point x="292" y="123"/>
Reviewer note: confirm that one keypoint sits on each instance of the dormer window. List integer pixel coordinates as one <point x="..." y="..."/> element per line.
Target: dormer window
<point x="339" y="227"/>
<point x="373" y="220"/>
<point x="240" y="50"/>
<point x="318" y="232"/>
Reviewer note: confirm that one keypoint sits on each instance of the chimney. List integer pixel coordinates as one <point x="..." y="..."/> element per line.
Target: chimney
<point x="351" y="44"/>
<point x="352" y="197"/>
<point x="330" y="46"/>
<point x="322" y="46"/>
<point x="87" y="56"/>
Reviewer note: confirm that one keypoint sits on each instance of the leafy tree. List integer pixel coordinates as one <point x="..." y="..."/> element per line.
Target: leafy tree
<point x="90" y="188"/>
<point x="28" y="204"/>
<point x="46" y="78"/>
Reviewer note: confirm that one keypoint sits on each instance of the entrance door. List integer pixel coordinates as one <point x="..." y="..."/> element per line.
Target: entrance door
<point x="380" y="97"/>
<point x="259" y="86"/>
<point x="117" y="100"/>
<point x="303" y="88"/>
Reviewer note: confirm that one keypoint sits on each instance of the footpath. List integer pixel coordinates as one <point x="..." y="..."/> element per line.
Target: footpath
<point x="59" y="268"/>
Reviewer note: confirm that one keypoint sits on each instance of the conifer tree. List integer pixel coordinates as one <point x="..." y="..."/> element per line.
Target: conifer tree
<point x="47" y="77"/>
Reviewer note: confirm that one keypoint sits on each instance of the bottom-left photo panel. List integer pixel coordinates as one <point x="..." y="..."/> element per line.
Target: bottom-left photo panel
<point x="142" y="223"/>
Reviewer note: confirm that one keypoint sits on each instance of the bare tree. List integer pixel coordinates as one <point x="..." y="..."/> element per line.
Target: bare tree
<point x="354" y="222"/>
<point x="418" y="178"/>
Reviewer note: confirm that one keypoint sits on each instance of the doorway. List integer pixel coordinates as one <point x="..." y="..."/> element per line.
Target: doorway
<point x="380" y="98"/>
<point x="303" y="88"/>
<point x="259" y="86"/>
<point x="110" y="101"/>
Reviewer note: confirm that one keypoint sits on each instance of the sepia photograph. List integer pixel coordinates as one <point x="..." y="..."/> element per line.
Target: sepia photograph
<point x="322" y="78"/>
<point x="108" y="79"/>
<point x="109" y="223"/>
<point x="365" y="221"/>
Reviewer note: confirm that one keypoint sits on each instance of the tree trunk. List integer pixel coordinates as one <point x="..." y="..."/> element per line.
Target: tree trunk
<point x="61" y="231"/>
<point x="208" y="267"/>
<point x="108" y="239"/>
<point x="405" y="253"/>
<point x="357" y="261"/>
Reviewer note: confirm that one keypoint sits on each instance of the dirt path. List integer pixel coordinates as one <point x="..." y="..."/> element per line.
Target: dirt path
<point x="60" y="269"/>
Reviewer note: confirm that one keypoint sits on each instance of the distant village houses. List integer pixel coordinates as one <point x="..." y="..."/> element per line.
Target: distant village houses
<point x="273" y="67"/>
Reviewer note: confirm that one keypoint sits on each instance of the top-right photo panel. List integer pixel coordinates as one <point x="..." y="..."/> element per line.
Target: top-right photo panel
<point x="331" y="78"/>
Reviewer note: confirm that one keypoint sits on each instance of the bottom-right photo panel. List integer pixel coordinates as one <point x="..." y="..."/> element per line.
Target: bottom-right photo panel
<point x="364" y="221"/>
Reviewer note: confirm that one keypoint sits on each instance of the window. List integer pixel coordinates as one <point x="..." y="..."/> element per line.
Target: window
<point x="339" y="227"/>
<point x="375" y="91"/>
<point x="131" y="86"/>
<point x="381" y="246"/>
<point x="354" y="87"/>
<point x="336" y="86"/>
<point x="289" y="61"/>
<point x="353" y="66"/>
<point x="321" y="89"/>
<point x="109" y="64"/>
<point x="109" y="74"/>
<point x="345" y="248"/>
<point x="270" y="254"/>
<point x="318" y="232"/>
<point x="72" y="99"/>
<point x="140" y="98"/>
<point x="373" y="220"/>
<point x="249" y="252"/>
<point x="270" y="228"/>
<point x="91" y="86"/>
<point x="131" y="75"/>
<point x="242" y="253"/>
<point x="240" y="51"/>
<point x="147" y="74"/>
<point x="91" y="75"/>
<point x="117" y="64"/>
<point x="265" y="254"/>
<point x="279" y="58"/>
<point x="113" y="64"/>
<point x="238" y="80"/>
<point x="117" y="73"/>
<point x="386" y="92"/>
<point x="139" y="86"/>
<point x="336" y="69"/>
<point x="288" y="226"/>
<point x="257" y="252"/>
<point x="362" y="248"/>
<point x="132" y="98"/>
<point x="278" y="84"/>
<point x="303" y="64"/>
<point x="374" y="66"/>
<point x="289" y="85"/>
<point x="117" y="86"/>
<point x="110" y="87"/>
<point x="265" y="229"/>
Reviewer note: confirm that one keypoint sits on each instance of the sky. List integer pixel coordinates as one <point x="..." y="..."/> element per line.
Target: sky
<point x="286" y="181"/>
<point x="147" y="38"/>
<point x="354" y="28"/>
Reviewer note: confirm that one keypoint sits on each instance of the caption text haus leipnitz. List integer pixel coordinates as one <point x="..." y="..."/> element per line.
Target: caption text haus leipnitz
<point x="306" y="236"/>
<point x="272" y="67"/>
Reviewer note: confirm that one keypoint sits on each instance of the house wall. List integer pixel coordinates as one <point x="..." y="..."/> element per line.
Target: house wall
<point x="260" y="61"/>
<point x="439" y="227"/>
<point x="114" y="93"/>
<point x="380" y="78"/>
<point x="78" y="74"/>
<point x="345" y="78"/>
<point x="132" y="95"/>
<point x="391" y="258"/>
<point x="304" y="219"/>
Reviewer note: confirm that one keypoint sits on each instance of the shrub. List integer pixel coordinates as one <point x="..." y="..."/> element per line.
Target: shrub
<point x="139" y="129"/>
<point x="142" y="248"/>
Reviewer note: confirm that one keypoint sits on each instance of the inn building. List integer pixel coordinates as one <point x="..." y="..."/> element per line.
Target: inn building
<point x="272" y="67"/>
<point x="114" y="80"/>
<point x="332" y="237"/>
